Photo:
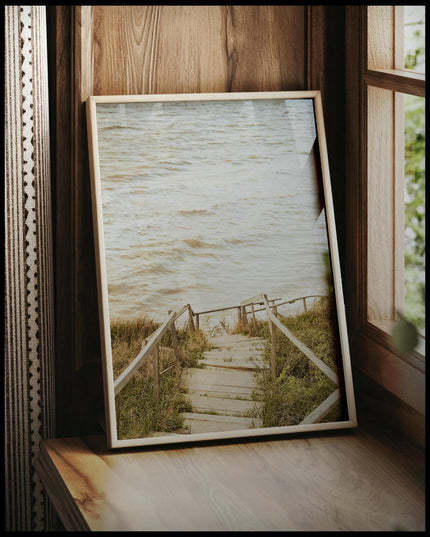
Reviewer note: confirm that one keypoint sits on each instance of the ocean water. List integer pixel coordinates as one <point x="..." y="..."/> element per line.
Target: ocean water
<point x="209" y="205"/>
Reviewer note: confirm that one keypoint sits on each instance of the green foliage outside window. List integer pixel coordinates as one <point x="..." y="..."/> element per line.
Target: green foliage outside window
<point x="415" y="210"/>
<point x="415" y="189"/>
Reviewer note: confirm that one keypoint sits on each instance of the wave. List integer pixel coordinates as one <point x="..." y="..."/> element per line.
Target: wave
<point x="196" y="212"/>
<point x="197" y="243"/>
<point x="128" y="127"/>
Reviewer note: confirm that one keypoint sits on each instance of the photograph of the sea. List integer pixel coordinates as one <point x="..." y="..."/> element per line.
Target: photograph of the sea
<point x="208" y="203"/>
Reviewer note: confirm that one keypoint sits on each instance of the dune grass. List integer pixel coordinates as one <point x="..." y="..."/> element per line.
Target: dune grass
<point x="297" y="390"/>
<point x="140" y="416"/>
<point x="299" y="386"/>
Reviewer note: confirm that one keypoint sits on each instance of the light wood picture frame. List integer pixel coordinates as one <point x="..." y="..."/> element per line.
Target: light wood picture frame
<point x="220" y="295"/>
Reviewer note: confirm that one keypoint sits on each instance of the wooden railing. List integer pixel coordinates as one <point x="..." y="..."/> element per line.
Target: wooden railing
<point x="252" y="302"/>
<point x="271" y="307"/>
<point x="331" y="401"/>
<point x="150" y="346"/>
<point x="241" y="310"/>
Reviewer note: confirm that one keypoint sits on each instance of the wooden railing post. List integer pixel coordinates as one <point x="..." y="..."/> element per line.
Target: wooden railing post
<point x="175" y="344"/>
<point x="190" y="319"/>
<point x="175" y="341"/>
<point x="239" y="315"/>
<point x="244" y="316"/>
<point x="156" y="371"/>
<point x="117" y="411"/>
<point x="253" y="315"/>
<point x="273" y="348"/>
<point x="272" y="328"/>
<point x="304" y="304"/>
<point x="197" y="322"/>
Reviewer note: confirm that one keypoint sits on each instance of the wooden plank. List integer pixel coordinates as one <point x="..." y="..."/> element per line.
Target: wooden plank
<point x="59" y="494"/>
<point x="245" y="392"/>
<point x="345" y="482"/>
<point x="219" y="378"/>
<point x="225" y="340"/>
<point x="252" y="363"/>
<point x="206" y="423"/>
<point x="394" y="80"/>
<point x="226" y="406"/>
<point x="323" y="409"/>
<point x="156" y="49"/>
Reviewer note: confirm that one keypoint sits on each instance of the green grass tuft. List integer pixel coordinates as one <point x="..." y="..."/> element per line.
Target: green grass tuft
<point x="139" y="414"/>
<point x="299" y="386"/>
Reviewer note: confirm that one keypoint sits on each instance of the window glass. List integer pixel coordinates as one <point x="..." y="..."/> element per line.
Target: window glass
<point x="414" y="110"/>
<point x="414" y="38"/>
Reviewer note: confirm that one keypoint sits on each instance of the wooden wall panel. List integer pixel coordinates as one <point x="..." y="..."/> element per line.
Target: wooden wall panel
<point x="188" y="49"/>
<point x="110" y="50"/>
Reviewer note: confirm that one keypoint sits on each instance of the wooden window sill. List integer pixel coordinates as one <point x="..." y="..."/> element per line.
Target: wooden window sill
<point x="402" y="376"/>
<point x="348" y="481"/>
<point x="415" y="358"/>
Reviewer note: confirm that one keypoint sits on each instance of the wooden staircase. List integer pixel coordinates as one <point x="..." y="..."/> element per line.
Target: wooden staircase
<point x="223" y="390"/>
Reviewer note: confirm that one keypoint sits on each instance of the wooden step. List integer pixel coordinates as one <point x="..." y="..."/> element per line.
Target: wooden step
<point x="234" y="361"/>
<point x="223" y="405"/>
<point x="248" y="393"/>
<point x="214" y="378"/>
<point x="225" y="340"/>
<point x="205" y="423"/>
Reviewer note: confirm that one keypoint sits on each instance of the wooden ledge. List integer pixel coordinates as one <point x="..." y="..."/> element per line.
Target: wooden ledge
<point x="345" y="481"/>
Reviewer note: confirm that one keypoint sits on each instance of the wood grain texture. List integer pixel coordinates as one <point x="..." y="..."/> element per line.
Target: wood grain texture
<point x="330" y="483"/>
<point x="397" y="376"/>
<point x="190" y="49"/>
<point x="380" y="203"/>
<point x="316" y="50"/>
<point x="356" y="175"/>
<point x="381" y="39"/>
<point x="402" y="81"/>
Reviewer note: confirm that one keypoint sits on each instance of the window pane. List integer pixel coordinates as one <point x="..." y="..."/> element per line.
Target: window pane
<point x="415" y="209"/>
<point x="414" y="38"/>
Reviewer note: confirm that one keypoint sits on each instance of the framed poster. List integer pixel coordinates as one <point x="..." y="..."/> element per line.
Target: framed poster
<point x="220" y="294"/>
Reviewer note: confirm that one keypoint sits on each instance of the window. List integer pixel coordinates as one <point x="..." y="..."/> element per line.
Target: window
<point x="385" y="186"/>
<point x="396" y="166"/>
